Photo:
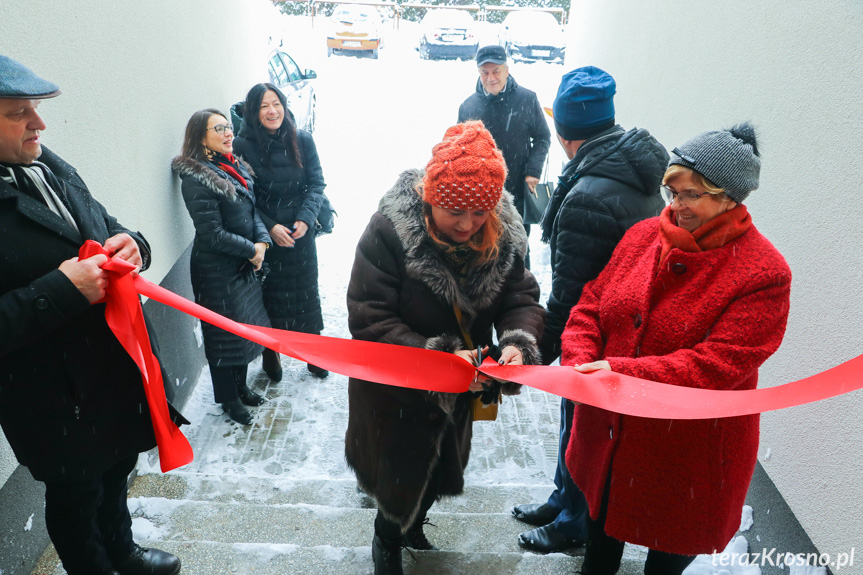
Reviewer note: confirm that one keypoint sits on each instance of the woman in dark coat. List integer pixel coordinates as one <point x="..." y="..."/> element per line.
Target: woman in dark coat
<point x="696" y="297"/>
<point x="449" y="239"/>
<point x="290" y="191"/>
<point x="230" y="241"/>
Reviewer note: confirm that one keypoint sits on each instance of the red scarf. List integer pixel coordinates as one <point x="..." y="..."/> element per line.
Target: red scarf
<point x="714" y="233"/>
<point x="229" y="168"/>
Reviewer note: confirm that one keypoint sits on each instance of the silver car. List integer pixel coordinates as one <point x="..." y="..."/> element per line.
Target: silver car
<point x="299" y="92"/>
<point x="533" y="35"/>
<point x="447" y="33"/>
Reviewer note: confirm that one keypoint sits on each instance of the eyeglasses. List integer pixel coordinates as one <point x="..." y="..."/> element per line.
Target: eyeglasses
<point x="685" y="198"/>
<point x="221" y="128"/>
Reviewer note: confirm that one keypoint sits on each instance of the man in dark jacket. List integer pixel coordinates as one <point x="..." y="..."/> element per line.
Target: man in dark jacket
<point x="514" y="117"/>
<point x="72" y="403"/>
<point x="611" y="182"/>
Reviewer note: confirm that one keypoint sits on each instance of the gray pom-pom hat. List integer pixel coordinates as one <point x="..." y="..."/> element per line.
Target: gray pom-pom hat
<point x="728" y="158"/>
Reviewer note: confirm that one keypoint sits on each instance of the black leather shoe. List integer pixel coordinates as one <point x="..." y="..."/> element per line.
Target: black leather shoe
<point x="249" y="397"/>
<point x="318" y="371"/>
<point x="547" y="539"/>
<point x="387" y="556"/>
<point x="415" y="538"/>
<point x="272" y="364"/>
<point x="143" y="561"/>
<point x="535" y="513"/>
<point x="237" y="412"/>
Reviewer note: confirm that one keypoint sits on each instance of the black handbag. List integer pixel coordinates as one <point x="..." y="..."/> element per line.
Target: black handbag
<point x="326" y="218"/>
<point x="536" y="202"/>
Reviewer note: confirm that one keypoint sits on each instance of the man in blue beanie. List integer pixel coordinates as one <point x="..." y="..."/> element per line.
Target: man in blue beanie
<point x="514" y="117"/>
<point x="72" y="402"/>
<point x="611" y="182"/>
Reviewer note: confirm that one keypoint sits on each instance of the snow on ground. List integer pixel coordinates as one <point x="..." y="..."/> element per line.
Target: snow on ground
<point x="375" y="119"/>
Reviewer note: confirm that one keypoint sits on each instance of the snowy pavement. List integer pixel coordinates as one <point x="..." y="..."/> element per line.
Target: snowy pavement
<point x="277" y="497"/>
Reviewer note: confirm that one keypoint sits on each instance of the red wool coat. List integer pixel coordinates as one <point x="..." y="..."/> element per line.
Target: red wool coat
<point x="705" y="320"/>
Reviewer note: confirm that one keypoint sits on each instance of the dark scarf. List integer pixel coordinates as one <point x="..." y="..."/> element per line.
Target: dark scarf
<point x="458" y="257"/>
<point x="710" y="235"/>
<point x="26" y="185"/>
<point x="228" y="163"/>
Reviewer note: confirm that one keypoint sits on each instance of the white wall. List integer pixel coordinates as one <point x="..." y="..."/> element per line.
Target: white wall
<point x="795" y="69"/>
<point x="132" y="73"/>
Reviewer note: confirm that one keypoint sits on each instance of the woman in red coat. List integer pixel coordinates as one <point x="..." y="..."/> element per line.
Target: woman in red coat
<point x="696" y="297"/>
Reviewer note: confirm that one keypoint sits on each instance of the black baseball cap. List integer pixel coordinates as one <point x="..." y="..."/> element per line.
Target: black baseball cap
<point x="494" y="54"/>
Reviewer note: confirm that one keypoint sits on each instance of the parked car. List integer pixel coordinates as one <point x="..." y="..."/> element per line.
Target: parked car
<point x="533" y="35"/>
<point x="355" y="28"/>
<point x="299" y="92"/>
<point x="447" y="33"/>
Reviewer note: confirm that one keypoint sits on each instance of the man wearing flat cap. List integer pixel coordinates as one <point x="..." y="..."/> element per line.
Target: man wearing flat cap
<point x="514" y="117"/>
<point x="72" y="402"/>
<point x="611" y="182"/>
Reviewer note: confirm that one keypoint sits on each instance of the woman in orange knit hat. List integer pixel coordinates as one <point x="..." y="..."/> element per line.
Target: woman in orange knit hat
<point x="440" y="266"/>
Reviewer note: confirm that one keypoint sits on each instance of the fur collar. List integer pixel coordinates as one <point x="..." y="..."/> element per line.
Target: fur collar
<point x="205" y="174"/>
<point x="403" y="207"/>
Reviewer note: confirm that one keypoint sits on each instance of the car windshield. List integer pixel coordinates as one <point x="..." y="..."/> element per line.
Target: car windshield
<point x="448" y="19"/>
<point x="531" y="20"/>
<point x="353" y="14"/>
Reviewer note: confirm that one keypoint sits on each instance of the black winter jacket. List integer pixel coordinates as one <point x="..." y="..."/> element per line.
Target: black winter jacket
<point x="72" y="401"/>
<point x="611" y="183"/>
<point x="227" y="227"/>
<point x="519" y="128"/>
<point x="285" y="194"/>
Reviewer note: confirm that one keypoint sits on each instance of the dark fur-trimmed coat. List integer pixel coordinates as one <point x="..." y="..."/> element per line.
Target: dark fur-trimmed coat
<point x="227" y="227"/>
<point x="402" y="292"/>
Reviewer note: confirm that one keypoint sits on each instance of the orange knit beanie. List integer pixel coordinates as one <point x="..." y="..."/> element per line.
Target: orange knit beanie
<point x="466" y="171"/>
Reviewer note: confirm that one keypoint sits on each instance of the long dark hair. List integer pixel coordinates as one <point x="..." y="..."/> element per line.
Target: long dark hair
<point x="196" y="130"/>
<point x="287" y="133"/>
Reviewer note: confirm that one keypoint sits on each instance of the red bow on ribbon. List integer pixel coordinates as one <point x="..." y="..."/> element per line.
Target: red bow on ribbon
<point x="126" y="319"/>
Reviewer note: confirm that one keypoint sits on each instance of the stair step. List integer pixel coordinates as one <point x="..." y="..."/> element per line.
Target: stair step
<point x="310" y="525"/>
<point x="329" y="492"/>
<point x="208" y="558"/>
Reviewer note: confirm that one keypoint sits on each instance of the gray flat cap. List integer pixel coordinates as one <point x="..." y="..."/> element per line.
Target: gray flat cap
<point x="20" y="82"/>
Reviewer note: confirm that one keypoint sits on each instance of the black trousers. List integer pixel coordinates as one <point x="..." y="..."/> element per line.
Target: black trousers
<point x="603" y="553"/>
<point x="390" y="530"/>
<point x="226" y="380"/>
<point x="88" y="520"/>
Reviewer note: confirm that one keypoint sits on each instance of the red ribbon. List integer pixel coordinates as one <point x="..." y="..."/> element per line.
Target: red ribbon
<point x="126" y="319"/>
<point x="425" y="369"/>
<point x="438" y="371"/>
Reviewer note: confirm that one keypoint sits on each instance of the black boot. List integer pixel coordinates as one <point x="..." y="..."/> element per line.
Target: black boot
<point x="143" y="561"/>
<point x="237" y="412"/>
<point x="387" y="555"/>
<point x="272" y="364"/>
<point x="415" y="538"/>
<point x="318" y="371"/>
<point x="249" y="397"/>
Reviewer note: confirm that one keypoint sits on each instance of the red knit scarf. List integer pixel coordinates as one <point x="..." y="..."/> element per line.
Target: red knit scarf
<point x="230" y="169"/>
<point x="712" y="234"/>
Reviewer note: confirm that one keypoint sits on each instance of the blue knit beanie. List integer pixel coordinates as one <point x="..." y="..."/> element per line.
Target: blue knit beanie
<point x="584" y="105"/>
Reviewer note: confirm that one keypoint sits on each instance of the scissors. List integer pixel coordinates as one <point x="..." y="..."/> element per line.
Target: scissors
<point x="478" y="362"/>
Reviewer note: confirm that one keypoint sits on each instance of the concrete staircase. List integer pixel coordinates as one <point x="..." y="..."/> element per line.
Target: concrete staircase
<point x="277" y="497"/>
